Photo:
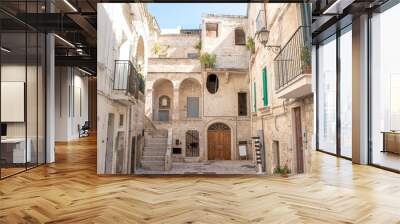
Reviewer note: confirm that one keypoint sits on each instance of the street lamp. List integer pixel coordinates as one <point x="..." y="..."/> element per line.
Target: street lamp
<point x="263" y="38"/>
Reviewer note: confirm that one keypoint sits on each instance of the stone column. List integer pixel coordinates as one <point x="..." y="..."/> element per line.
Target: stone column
<point x="175" y="106"/>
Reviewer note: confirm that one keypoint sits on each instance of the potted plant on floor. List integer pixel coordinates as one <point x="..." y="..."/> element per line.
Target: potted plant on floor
<point x="284" y="172"/>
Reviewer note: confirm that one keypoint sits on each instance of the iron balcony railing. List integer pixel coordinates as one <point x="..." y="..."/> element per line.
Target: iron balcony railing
<point x="294" y="59"/>
<point x="126" y="78"/>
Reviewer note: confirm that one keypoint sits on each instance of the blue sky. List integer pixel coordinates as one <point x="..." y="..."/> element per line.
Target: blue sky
<point x="188" y="15"/>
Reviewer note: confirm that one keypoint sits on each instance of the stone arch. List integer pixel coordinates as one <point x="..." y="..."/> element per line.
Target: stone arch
<point x="162" y="88"/>
<point x="190" y="99"/>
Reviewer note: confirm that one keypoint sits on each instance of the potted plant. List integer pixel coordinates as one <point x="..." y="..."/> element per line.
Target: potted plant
<point x="284" y="172"/>
<point x="157" y="49"/>
<point x="208" y="60"/>
<point x="251" y="45"/>
<point x="198" y="46"/>
<point x="306" y="59"/>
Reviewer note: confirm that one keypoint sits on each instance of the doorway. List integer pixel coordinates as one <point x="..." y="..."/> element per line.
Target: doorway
<point x="110" y="143"/>
<point x="299" y="140"/>
<point x="219" y="142"/>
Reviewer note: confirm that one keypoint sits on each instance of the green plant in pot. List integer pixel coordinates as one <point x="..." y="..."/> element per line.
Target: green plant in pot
<point x="283" y="171"/>
<point x="306" y="59"/>
<point x="208" y="60"/>
<point x="251" y="46"/>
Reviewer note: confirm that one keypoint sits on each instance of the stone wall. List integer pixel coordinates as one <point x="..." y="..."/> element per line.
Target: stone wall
<point x="175" y="75"/>
<point x="277" y="118"/>
<point x="176" y="45"/>
<point x="228" y="54"/>
<point x="120" y="117"/>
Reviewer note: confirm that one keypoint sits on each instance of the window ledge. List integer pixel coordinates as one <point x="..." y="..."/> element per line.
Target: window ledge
<point x="265" y="110"/>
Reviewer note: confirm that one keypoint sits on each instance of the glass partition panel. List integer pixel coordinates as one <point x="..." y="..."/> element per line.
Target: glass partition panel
<point x="327" y="96"/>
<point x="346" y="93"/>
<point x="41" y="99"/>
<point x="385" y="89"/>
<point x="31" y="98"/>
<point x="14" y="154"/>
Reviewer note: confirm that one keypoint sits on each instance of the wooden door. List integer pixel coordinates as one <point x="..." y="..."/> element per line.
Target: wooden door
<point x="299" y="140"/>
<point x="219" y="142"/>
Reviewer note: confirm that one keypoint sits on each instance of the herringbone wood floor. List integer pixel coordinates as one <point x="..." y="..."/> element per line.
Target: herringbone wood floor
<point x="69" y="191"/>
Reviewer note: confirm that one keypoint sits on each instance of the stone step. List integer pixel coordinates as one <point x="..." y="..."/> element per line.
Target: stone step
<point x="153" y="153"/>
<point x="153" y="158"/>
<point x="155" y="146"/>
<point x="156" y="140"/>
<point x="153" y="165"/>
<point x="158" y="135"/>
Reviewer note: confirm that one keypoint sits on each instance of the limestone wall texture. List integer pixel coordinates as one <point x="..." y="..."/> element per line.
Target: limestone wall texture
<point x="173" y="74"/>
<point x="277" y="118"/>
<point x="223" y="46"/>
<point x="120" y="118"/>
<point x="176" y="45"/>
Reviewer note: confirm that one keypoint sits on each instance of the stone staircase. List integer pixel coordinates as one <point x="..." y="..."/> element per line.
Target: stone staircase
<point x="155" y="146"/>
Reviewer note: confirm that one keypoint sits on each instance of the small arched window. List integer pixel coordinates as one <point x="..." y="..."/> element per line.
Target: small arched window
<point x="212" y="83"/>
<point x="240" y="37"/>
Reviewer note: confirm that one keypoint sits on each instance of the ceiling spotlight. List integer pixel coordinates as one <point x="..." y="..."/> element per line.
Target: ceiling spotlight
<point x="84" y="71"/>
<point x="70" y="5"/>
<point x="65" y="41"/>
<point x="5" y="50"/>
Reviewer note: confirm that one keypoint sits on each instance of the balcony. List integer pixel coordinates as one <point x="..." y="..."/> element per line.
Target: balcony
<point x="128" y="83"/>
<point x="292" y="66"/>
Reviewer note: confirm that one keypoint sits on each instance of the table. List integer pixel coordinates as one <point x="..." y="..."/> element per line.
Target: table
<point x="13" y="150"/>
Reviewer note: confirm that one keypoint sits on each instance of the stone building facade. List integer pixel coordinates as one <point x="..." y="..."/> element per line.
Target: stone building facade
<point x="122" y="61"/>
<point x="207" y="94"/>
<point x="281" y="85"/>
<point x="195" y="102"/>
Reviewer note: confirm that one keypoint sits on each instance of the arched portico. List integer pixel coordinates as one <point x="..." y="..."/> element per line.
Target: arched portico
<point x="163" y="100"/>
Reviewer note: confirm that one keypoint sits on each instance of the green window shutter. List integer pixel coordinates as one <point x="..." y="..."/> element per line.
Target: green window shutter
<point x="265" y="86"/>
<point x="254" y="97"/>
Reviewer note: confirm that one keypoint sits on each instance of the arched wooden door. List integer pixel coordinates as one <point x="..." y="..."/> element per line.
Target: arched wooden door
<point x="219" y="142"/>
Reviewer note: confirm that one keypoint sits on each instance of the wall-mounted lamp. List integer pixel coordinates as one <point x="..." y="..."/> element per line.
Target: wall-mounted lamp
<point x="263" y="37"/>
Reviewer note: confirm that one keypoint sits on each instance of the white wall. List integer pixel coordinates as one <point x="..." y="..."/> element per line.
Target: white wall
<point x="69" y="82"/>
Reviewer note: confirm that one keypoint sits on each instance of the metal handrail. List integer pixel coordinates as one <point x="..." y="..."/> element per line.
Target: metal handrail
<point x="127" y="79"/>
<point x="289" y="63"/>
